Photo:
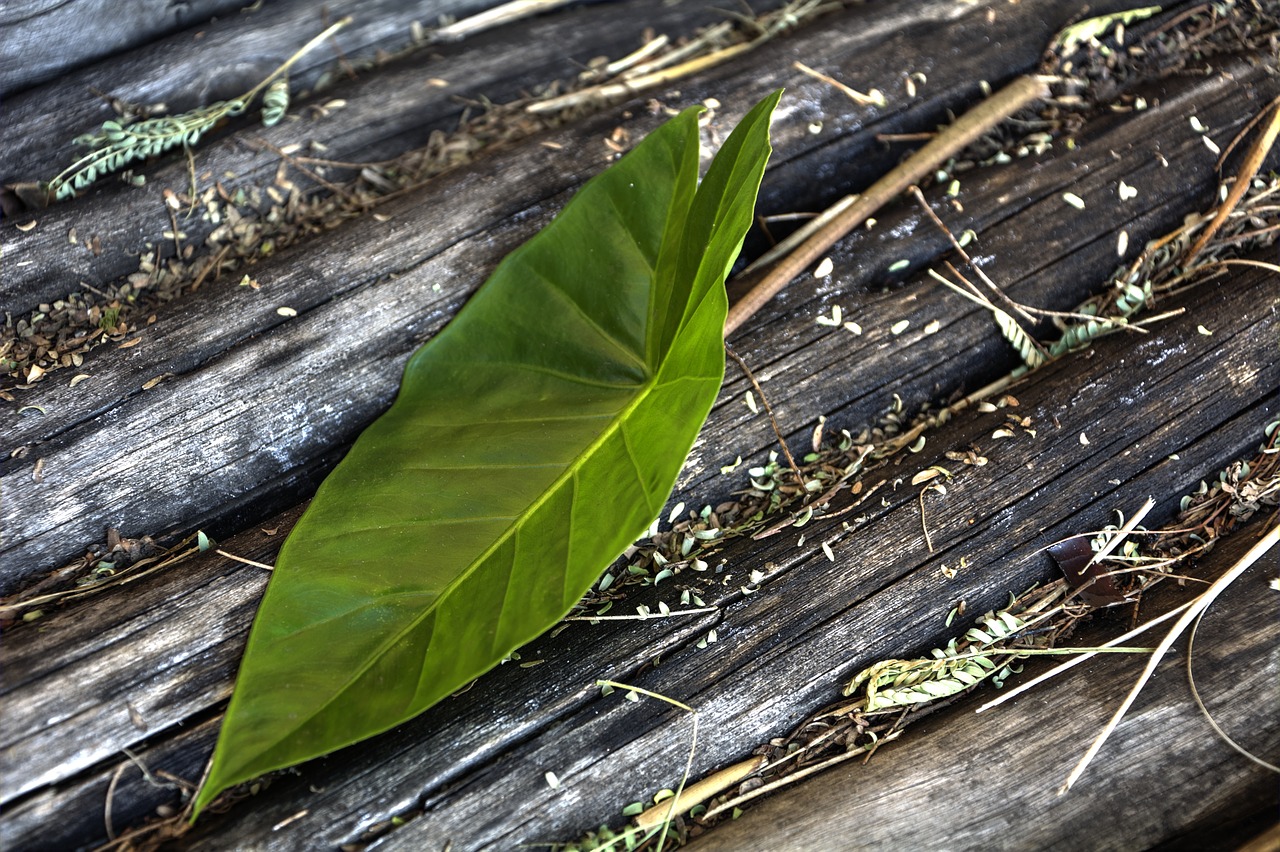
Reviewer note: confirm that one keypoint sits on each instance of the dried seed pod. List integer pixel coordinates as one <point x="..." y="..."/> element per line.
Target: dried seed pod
<point x="275" y="102"/>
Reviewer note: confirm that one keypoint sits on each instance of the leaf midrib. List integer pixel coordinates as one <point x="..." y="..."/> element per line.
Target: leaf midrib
<point x="642" y="393"/>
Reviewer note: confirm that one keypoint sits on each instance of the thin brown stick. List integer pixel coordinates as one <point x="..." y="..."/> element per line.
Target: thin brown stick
<point x="968" y="128"/>
<point x="173" y="222"/>
<point x="212" y="265"/>
<point x="1001" y="296"/>
<point x="796" y="776"/>
<point x="293" y="161"/>
<point x="1252" y="162"/>
<point x="768" y="409"/>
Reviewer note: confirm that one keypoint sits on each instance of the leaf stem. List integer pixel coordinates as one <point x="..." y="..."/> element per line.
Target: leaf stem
<point x="297" y="54"/>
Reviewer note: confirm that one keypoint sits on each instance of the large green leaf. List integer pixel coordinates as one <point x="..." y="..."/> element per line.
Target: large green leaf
<point x="533" y="439"/>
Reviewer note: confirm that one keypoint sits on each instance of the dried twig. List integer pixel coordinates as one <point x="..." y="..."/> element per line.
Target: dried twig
<point x="970" y="126"/>
<point x="1253" y="161"/>
<point x="1189" y="615"/>
<point x="768" y="409"/>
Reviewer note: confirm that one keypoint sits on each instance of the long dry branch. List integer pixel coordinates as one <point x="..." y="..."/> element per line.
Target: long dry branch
<point x="949" y="142"/>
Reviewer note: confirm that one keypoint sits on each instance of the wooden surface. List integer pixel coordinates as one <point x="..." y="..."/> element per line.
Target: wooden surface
<point x="255" y="407"/>
<point x="384" y="115"/>
<point x="1012" y="759"/>
<point x="217" y="60"/>
<point x="395" y="282"/>
<point x="46" y="38"/>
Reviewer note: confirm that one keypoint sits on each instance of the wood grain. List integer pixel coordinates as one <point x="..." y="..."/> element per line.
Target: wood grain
<point x="44" y="39"/>
<point x="256" y="406"/>
<point x="385" y="114"/>
<point x="963" y="780"/>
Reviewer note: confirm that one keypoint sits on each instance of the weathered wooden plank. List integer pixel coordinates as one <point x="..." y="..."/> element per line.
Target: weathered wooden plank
<point x="168" y="654"/>
<point x="219" y="402"/>
<point x="786" y="651"/>
<point x="220" y="60"/>
<point x="388" y="777"/>
<point x="386" y="113"/>
<point x="780" y="652"/>
<point x="44" y="39"/>
<point x="991" y="781"/>
<point x="1217" y="393"/>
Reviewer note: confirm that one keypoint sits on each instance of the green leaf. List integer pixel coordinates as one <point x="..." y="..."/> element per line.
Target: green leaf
<point x="533" y="439"/>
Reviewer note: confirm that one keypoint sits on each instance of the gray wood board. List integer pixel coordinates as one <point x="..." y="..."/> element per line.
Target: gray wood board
<point x="782" y="652"/>
<point x="787" y="651"/>
<point x="239" y="371"/>
<point x="165" y="648"/>
<point x="203" y="64"/>
<point x="170" y="646"/>
<point x="45" y="38"/>
<point x="966" y="781"/>
<point x="386" y="113"/>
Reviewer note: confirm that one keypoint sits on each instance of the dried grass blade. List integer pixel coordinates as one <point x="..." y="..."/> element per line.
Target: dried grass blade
<point x="1197" y="606"/>
<point x="1075" y="661"/>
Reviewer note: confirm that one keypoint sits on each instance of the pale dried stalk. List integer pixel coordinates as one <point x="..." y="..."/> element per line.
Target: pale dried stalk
<point x="949" y="142"/>
<point x="1199" y="605"/>
<point x="635" y="85"/>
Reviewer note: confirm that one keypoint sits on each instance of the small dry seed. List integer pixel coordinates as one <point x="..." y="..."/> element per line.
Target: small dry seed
<point x="853" y="328"/>
<point x="1211" y="145"/>
<point x="1202" y="330"/>
<point x="1074" y="200"/>
<point x="751" y="403"/>
<point x="824" y="268"/>
<point x="900" y="326"/>
<point x="932" y="327"/>
<point x="286" y="312"/>
<point x="1196" y="125"/>
<point x="826" y="548"/>
<point x="1122" y="243"/>
<point x="26" y="226"/>
<point x="899" y="265"/>
<point x="1084" y="440"/>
